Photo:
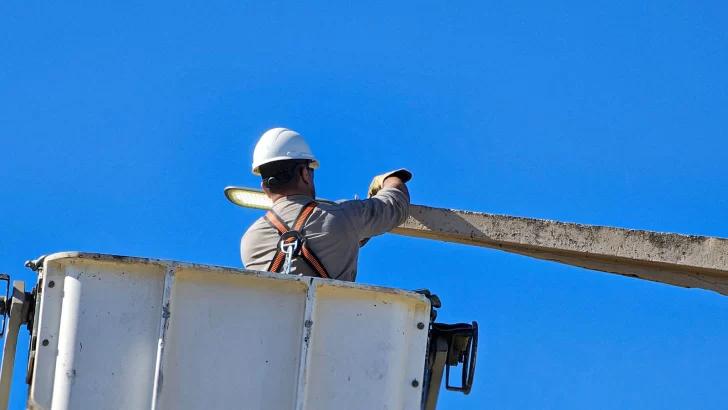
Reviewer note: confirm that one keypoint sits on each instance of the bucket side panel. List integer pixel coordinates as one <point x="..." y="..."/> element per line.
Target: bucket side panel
<point x="107" y="334"/>
<point x="233" y="341"/>
<point x="366" y="350"/>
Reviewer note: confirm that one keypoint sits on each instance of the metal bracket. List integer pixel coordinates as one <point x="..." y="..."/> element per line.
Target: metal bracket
<point x="4" y="301"/>
<point x="448" y="345"/>
<point x="463" y="348"/>
<point x="435" y="302"/>
<point x="37" y="264"/>
<point x="434" y="379"/>
<point x="16" y="312"/>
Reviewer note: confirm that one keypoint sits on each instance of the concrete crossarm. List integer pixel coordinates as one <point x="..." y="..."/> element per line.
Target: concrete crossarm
<point x="680" y="260"/>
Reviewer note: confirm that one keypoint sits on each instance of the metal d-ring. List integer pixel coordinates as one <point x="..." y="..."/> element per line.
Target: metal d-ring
<point x="290" y="249"/>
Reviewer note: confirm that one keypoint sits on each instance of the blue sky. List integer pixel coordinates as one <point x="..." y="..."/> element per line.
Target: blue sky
<point x="121" y="123"/>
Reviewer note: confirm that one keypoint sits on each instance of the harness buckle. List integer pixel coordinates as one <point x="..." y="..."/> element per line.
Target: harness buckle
<point x="290" y="249"/>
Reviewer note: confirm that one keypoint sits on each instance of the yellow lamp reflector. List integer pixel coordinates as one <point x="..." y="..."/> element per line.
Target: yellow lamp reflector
<point x="254" y="198"/>
<point x="248" y="197"/>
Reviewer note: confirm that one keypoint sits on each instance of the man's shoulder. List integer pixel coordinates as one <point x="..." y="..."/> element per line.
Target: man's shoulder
<point x="255" y="227"/>
<point x="258" y="223"/>
<point x="251" y="239"/>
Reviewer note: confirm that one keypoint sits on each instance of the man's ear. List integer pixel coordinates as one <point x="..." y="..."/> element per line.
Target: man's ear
<point x="306" y="176"/>
<point x="267" y="192"/>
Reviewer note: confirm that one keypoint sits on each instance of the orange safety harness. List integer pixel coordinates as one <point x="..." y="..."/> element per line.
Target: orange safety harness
<point x="293" y="241"/>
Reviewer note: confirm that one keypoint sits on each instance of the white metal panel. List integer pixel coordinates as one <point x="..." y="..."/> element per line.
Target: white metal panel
<point x="233" y="342"/>
<point x="106" y="334"/>
<point x="138" y="333"/>
<point x="366" y="349"/>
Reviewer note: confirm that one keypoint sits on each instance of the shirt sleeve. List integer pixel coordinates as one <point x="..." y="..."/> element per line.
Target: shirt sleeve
<point x="253" y="250"/>
<point x="379" y="214"/>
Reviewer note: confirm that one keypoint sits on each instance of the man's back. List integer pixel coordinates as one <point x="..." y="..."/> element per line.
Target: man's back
<point x="333" y="232"/>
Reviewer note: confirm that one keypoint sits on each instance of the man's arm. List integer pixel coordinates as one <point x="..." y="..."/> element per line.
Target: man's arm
<point x="386" y="208"/>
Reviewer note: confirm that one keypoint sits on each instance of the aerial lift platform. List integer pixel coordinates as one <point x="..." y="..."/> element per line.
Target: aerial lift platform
<point x="120" y="332"/>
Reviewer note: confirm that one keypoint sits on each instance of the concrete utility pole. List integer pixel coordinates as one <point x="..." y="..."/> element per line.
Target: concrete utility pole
<point x="681" y="260"/>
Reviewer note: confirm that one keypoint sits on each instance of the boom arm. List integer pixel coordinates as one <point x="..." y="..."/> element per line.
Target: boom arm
<point x="681" y="260"/>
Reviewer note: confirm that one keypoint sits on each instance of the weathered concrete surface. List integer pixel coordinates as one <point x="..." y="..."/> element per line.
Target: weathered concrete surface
<point x="680" y="260"/>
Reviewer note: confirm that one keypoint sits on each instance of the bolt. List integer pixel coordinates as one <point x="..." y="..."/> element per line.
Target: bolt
<point x="51" y="284"/>
<point x="420" y="325"/>
<point x="45" y="342"/>
<point x="415" y="383"/>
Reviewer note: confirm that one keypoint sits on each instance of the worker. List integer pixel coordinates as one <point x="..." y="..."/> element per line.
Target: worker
<point x="322" y="240"/>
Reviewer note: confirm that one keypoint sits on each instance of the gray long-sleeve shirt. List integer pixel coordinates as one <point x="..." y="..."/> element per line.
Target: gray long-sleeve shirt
<point x="333" y="232"/>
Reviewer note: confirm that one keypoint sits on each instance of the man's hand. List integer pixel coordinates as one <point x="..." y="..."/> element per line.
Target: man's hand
<point x="394" y="179"/>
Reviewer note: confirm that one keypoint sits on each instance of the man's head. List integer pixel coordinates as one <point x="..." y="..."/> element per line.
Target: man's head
<point x="288" y="177"/>
<point x="285" y="162"/>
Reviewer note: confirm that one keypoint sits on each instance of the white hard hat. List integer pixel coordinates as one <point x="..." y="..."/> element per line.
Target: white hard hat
<point x="279" y="144"/>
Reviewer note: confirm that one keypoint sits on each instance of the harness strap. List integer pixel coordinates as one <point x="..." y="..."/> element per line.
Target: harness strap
<point x="279" y="225"/>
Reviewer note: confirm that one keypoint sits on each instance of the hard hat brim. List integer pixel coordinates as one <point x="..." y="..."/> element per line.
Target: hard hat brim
<point x="256" y="166"/>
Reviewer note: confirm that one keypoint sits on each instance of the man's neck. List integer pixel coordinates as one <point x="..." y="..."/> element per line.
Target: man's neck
<point x="276" y="197"/>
